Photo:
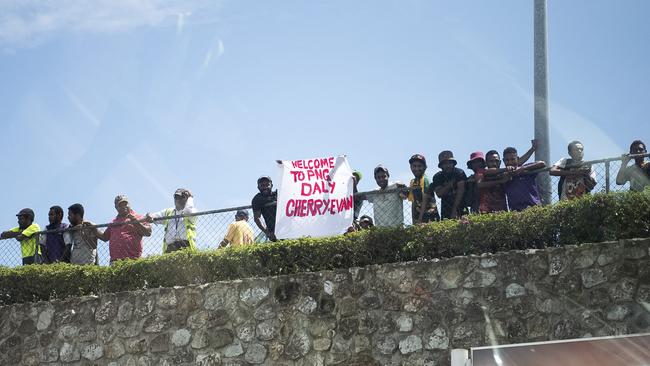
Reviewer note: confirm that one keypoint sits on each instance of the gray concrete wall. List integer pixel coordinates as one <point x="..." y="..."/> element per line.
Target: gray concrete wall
<point x="397" y="314"/>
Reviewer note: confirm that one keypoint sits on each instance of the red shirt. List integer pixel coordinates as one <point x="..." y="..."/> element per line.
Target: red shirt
<point x="124" y="240"/>
<point x="491" y="199"/>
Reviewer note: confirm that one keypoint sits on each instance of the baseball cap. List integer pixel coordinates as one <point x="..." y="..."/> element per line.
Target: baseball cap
<point x="381" y="168"/>
<point x="120" y="198"/>
<point x="26" y="212"/>
<point x="241" y="213"/>
<point x="264" y="177"/>
<point x="417" y="157"/>
<point x="182" y="192"/>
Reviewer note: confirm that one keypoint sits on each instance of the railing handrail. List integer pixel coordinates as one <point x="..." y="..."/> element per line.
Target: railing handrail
<point x="404" y="189"/>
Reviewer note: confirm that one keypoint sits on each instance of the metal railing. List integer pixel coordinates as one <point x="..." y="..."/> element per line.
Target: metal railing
<point x="211" y="226"/>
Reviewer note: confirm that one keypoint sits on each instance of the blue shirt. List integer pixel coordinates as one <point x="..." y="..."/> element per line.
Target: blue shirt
<point x="54" y="244"/>
<point x="522" y="192"/>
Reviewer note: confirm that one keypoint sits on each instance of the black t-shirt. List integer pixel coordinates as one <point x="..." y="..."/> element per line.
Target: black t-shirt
<point x="440" y="179"/>
<point x="267" y="205"/>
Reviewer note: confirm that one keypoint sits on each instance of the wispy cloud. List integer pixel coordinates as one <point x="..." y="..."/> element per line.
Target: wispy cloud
<point x="32" y="21"/>
<point x="218" y="49"/>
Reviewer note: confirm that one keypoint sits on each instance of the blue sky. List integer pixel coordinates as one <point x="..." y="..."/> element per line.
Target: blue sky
<point x="142" y="97"/>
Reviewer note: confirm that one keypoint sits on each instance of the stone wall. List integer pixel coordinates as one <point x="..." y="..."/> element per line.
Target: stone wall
<point x="407" y="313"/>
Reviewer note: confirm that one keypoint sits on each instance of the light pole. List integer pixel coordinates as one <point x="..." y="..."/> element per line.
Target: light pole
<point x="543" y="151"/>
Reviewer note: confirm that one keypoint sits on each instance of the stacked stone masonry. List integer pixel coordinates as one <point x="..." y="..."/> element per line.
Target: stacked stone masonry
<point x="395" y="314"/>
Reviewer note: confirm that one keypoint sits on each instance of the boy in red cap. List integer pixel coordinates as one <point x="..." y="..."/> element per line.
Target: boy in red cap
<point x="485" y="192"/>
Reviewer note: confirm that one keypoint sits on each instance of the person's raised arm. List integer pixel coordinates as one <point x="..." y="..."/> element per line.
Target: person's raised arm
<point x="524" y="158"/>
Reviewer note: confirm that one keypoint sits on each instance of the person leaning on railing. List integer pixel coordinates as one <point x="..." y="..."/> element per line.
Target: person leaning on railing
<point x="81" y="239"/>
<point x="576" y="178"/>
<point x="24" y="233"/>
<point x="180" y="232"/>
<point x="125" y="239"/>
<point x="484" y="194"/>
<point x="420" y="212"/>
<point x="637" y="174"/>
<point x="388" y="207"/>
<point x="264" y="206"/>
<point x="522" y="191"/>
<point x="449" y="185"/>
<point x="52" y="243"/>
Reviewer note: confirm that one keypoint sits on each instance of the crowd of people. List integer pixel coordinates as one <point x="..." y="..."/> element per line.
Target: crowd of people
<point x="490" y="188"/>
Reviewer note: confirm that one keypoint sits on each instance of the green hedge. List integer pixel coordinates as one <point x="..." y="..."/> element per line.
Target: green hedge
<point x="594" y="218"/>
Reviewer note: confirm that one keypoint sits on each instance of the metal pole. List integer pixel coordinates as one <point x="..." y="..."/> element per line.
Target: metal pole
<point x="543" y="151"/>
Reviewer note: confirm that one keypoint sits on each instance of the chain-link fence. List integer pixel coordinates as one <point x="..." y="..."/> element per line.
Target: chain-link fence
<point x="211" y="226"/>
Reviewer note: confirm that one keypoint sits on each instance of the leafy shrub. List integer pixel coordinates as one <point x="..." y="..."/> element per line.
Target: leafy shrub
<point x="600" y="217"/>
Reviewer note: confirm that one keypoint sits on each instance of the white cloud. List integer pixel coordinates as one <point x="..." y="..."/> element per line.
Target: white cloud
<point x="32" y="21"/>
<point x="218" y="49"/>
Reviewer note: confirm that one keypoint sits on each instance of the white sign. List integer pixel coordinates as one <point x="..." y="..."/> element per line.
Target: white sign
<point x="314" y="198"/>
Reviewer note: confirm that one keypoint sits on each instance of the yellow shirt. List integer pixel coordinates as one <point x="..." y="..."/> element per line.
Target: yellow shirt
<point x="28" y="246"/>
<point x="239" y="233"/>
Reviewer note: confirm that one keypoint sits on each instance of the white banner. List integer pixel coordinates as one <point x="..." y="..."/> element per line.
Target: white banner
<point x="314" y="198"/>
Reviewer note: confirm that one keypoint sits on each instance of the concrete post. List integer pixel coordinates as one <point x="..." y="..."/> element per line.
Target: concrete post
<point x="543" y="151"/>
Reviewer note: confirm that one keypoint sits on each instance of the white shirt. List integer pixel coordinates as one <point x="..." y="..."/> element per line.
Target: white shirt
<point x="176" y="228"/>
<point x="388" y="208"/>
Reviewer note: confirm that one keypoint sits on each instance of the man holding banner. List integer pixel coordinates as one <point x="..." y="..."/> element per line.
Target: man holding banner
<point x="315" y="198"/>
<point x="264" y="205"/>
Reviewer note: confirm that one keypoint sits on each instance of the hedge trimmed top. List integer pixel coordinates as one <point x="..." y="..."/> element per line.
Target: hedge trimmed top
<point x="595" y="218"/>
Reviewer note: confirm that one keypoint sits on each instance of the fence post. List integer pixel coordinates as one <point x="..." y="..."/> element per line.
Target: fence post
<point x="607" y="176"/>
